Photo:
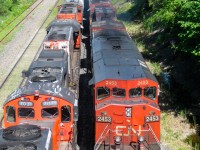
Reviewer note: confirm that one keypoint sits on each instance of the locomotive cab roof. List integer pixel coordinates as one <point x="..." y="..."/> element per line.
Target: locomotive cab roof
<point x="45" y="89"/>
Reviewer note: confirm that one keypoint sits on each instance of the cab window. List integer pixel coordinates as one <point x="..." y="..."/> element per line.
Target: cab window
<point x="26" y="112"/>
<point x="49" y="112"/>
<point x="135" y="92"/>
<point x="10" y="111"/>
<point x="65" y="113"/>
<point x="119" y="92"/>
<point x="102" y="92"/>
<point x="150" y="92"/>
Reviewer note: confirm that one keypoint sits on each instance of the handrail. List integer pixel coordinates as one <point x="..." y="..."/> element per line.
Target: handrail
<point x="106" y="131"/>
<point x="98" y="143"/>
<point x="154" y="135"/>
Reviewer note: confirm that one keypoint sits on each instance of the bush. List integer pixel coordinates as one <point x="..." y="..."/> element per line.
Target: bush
<point x="5" y="6"/>
<point x="180" y="18"/>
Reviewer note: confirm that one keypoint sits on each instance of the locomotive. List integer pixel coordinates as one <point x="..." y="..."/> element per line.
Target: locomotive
<point x="42" y="113"/>
<point x="127" y="115"/>
<point x="100" y="11"/>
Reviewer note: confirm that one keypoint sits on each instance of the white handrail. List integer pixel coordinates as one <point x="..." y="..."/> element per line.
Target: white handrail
<point x="98" y="143"/>
<point x="154" y="135"/>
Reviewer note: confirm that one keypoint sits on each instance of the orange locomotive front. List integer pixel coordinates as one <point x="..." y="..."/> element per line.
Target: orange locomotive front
<point x="45" y="104"/>
<point x="44" y="110"/>
<point x="127" y="115"/>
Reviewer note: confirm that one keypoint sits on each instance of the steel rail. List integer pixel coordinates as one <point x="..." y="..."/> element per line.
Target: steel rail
<point x="20" y="21"/>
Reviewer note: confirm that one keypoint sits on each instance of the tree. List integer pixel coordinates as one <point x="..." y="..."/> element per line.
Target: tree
<point x="5" y="6"/>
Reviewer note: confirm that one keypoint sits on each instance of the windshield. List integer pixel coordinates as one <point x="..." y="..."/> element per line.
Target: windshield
<point x="135" y="92"/>
<point x="102" y="92"/>
<point x="119" y="92"/>
<point x="26" y="112"/>
<point x="150" y="92"/>
<point x="49" y="112"/>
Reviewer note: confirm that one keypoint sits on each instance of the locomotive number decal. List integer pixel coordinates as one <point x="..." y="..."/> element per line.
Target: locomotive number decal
<point x="103" y="119"/>
<point x="27" y="104"/>
<point x="143" y="82"/>
<point x="112" y="83"/>
<point x="152" y="118"/>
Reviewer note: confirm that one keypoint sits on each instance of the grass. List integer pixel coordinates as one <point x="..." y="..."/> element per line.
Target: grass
<point x="174" y="130"/>
<point x="154" y="67"/>
<point x="5" y="28"/>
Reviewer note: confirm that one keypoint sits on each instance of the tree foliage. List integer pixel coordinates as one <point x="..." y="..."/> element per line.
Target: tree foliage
<point x="5" y="6"/>
<point x="179" y="18"/>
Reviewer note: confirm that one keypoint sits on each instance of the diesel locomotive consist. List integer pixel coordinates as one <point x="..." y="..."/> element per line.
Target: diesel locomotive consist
<point x="127" y="115"/>
<point x="42" y="113"/>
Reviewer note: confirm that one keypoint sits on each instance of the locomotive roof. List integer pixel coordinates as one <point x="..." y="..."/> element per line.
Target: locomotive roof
<point x="99" y="1"/>
<point x="59" y="33"/>
<point x="108" y="25"/>
<point x="52" y="55"/>
<point x="45" y="89"/>
<point x="79" y="2"/>
<point x="51" y="66"/>
<point x="68" y="9"/>
<point x="110" y="33"/>
<point x="63" y="24"/>
<point x="103" y="9"/>
<point x="117" y="57"/>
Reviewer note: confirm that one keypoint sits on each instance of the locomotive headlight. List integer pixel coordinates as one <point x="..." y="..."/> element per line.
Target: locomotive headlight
<point x="128" y="112"/>
<point x="117" y="140"/>
<point x="141" y="139"/>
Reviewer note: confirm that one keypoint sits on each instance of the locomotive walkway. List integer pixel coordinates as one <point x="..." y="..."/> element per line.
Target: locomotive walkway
<point x="23" y="42"/>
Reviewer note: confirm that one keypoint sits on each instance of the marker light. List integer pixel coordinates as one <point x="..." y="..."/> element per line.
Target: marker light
<point x="117" y="140"/>
<point x="128" y="112"/>
<point x="36" y="95"/>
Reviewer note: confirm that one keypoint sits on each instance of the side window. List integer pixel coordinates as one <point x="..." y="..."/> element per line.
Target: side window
<point x="150" y="92"/>
<point x="11" y="116"/>
<point x="135" y="92"/>
<point x="65" y="113"/>
<point x="49" y="112"/>
<point x="102" y="92"/>
<point x="119" y="92"/>
<point x="26" y="112"/>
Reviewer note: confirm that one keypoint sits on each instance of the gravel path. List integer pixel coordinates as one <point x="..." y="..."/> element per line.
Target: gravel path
<point x="22" y="38"/>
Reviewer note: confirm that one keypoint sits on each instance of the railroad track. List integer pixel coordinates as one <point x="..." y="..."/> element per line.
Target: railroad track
<point x="31" y="51"/>
<point x="20" y="22"/>
<point x="17" y="17"/>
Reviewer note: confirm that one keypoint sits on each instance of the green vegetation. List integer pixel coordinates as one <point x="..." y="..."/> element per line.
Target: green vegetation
<point x="10" y="9"/>
<point x="179" y="19"/>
